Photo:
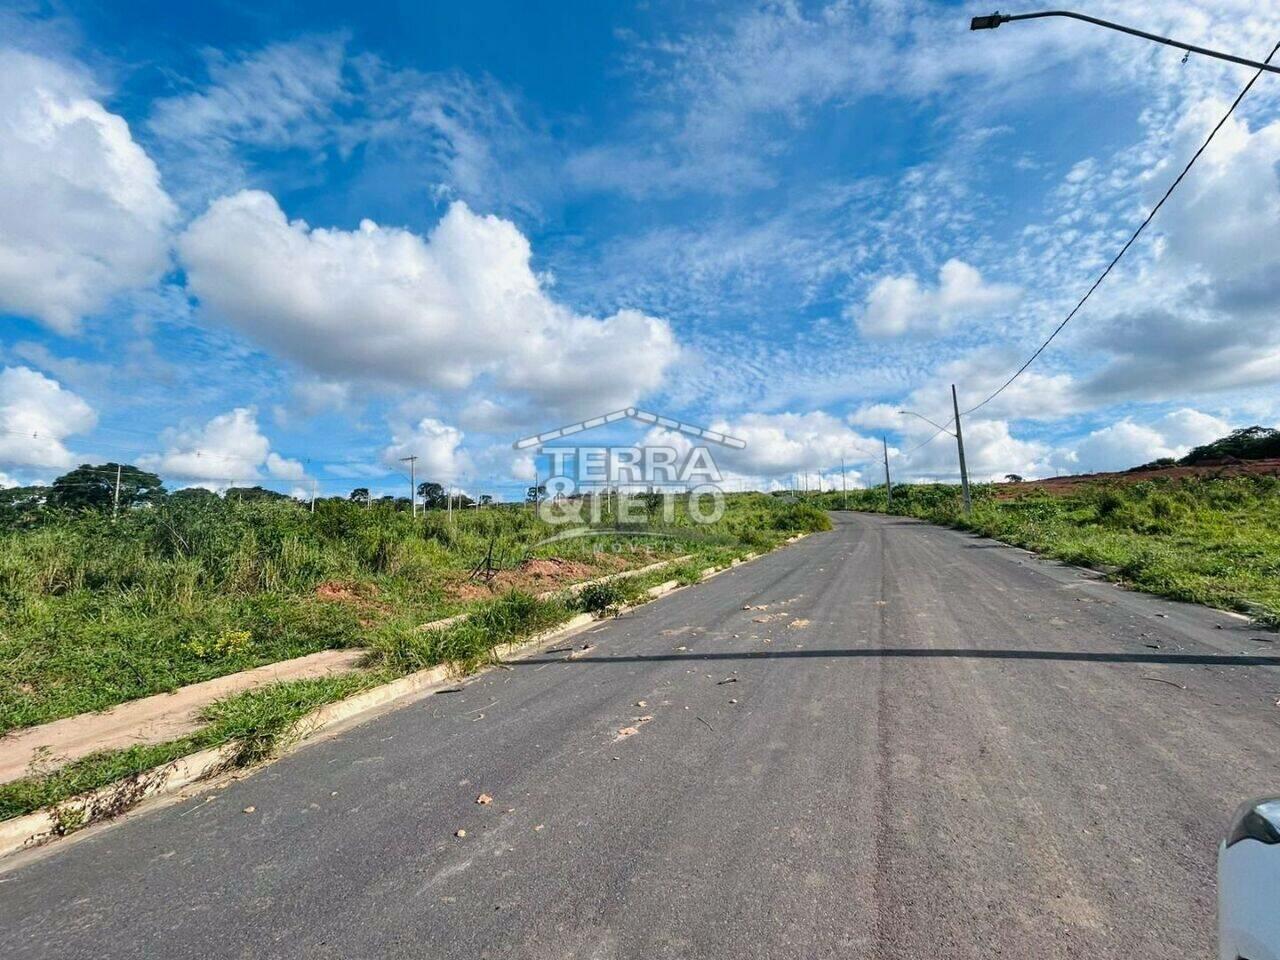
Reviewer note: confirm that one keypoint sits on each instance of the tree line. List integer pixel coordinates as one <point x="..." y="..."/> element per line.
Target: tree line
<point x="124" y="486"/>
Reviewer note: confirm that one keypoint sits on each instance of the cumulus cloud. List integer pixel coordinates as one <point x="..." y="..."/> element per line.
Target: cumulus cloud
<point x="1127" y="444"/>
<point x="83" y="216"/>
<point x="386" y="304"/>
<point x="437" y="446"/>
<point x="779" y="444"/>
<point x="901" y="305"/>
<point x="228" y="450"/>
<point x="36" y="415"/>
<point x="991" y="452"/>
<point x="1203" y="318"/>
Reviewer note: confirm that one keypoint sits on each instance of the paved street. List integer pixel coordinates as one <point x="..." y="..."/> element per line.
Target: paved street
<point x="931" y="746"/>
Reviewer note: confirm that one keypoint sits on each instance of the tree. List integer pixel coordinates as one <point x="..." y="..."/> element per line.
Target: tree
<point x="248" y="494"/>
<point x="94" y="488"/>
<point x="359" y="495"/>
<point x="1247" y="443"/>
<point x="20" y="504"/>
<point x="1012" y="478"/>
<point x="193" y="495"/>
<point x="534" y="494"/>
<point x="486" y="500"/>
<point x="432" y="495"/>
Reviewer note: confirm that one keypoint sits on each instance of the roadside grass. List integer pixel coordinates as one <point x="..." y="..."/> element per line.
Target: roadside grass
<point x="1213" y="541"/>
<point x="260" y="721"/>
<point x="257" y="721"/>
<point x="96" y="613"/>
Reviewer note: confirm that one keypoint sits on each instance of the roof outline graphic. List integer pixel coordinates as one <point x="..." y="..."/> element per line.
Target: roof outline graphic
<point x="631" y="413"/>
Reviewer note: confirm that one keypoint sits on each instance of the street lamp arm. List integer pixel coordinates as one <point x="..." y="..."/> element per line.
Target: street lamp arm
<point x="912" y="413"/>
<point x="993" y="21"/>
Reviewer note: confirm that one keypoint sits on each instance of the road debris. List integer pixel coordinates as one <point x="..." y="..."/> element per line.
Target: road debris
<point x="250" y="809"/>
<point x="1162" y="680"/>
<point x="798" y="623"/>
<point x="631" y="731"/>
<point x="732" y="700"/>
<point x="706" y="724"/>
<point x="721" y="683"/>
<point x="642" y="704"/>
<point x="460" y="834"/>
<point x="582" y="650"/>
<point x="484" y="799"/>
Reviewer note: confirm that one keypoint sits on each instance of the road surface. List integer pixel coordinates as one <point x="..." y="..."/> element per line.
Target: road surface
<point x="932" y="746"/>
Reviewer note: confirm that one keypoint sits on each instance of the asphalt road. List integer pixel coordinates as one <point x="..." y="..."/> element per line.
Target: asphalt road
<point x="932" y="747"/>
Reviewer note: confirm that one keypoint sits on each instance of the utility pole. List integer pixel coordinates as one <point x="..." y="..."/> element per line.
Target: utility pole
<point x="449" y="501"/>
<point x="964" y="471"/>
<point x="313" y="495"/>
<point x="115" y="501"/>
<point x="888" y="483"/>
<point x="888" y="480"/>
<point x="844" y="485"/>
<point x="413" y="483"/>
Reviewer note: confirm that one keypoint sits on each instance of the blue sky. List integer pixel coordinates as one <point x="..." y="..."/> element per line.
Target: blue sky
<point x="290" y="244"/>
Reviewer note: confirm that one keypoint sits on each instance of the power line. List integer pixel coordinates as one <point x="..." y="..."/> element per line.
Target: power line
<point x="1142" y="226"/>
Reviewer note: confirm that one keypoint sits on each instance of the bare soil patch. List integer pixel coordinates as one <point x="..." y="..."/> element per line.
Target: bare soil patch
<point x="540" y="574"/>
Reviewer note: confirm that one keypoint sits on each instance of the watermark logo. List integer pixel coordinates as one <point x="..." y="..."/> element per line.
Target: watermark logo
<point x="629" y="488"/>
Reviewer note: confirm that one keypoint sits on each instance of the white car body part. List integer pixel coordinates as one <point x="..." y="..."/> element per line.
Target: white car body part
<point x="1249" y="883"/>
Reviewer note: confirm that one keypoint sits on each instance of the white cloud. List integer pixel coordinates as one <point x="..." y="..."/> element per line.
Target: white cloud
<point x="452" y="134"/>
<point x="280" y="97"/>
<point x="228" y="450"/>
<point x="901" y="305"/>
<point x="283" y="468"/>
<point x="991" y="452"/>
<point x="1127" y="444"/>
<point x="780" y="444"/>
<point x="36" y="415"/>
<point x="83" y="216"/>
<point x="385" y="304"/>
<point x="437" y="446"/>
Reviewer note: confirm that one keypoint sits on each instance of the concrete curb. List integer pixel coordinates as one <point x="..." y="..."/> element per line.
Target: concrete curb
<point x="201" y="770"/>
<point x="170" y="779"/>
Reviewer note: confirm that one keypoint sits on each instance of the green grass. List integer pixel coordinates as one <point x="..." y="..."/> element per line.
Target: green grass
<point x="96" y="613"/>
<point x="1214" y="541"/>
<point x="259" y="722"/>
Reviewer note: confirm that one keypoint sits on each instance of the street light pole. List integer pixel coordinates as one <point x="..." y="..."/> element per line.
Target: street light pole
<point x="964" y="470"/>
<point x="413" y="488"/>
<point x="994" y="20"/>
